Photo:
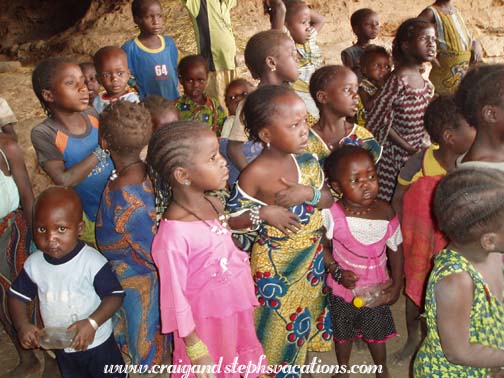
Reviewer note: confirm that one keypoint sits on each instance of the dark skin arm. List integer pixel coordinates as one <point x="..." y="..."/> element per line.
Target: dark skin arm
<point x="85" y="333"/>
<point x="396" y="267"/>
<point x="397" y="139"/>
<point x="276" y="10"/>
<point x="28" y="333"/>
<point x="72" y="176"/>
<point x="20" y="174"/>
<point x="454" y="298"/>
<point x="397" y="199"/>
<point x="235" y="153"/>
<point x="348" y="278"/>
<point x="296" y="194"/>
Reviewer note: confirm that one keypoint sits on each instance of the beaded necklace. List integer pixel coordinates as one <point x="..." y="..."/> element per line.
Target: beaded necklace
<point x="222" y="218"/>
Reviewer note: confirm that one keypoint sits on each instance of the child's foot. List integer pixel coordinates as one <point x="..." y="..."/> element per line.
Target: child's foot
<point x="51" y="369"/>
<point x="405" y="353"/>
<point x="28" y="367"/>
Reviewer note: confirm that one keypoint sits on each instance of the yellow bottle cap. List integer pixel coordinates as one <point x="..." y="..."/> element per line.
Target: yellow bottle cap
<point x="359" y="302"/>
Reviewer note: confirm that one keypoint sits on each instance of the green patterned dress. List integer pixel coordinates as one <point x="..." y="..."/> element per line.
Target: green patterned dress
<point x="288" y="273"/>
<point x="486" y="325"/>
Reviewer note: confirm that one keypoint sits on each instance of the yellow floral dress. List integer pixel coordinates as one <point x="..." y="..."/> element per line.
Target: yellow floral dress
<point x="288" y="272"/>
<point x="486" y="325"/>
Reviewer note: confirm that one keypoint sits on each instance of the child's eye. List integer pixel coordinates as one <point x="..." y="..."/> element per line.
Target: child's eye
<point x="106" y="75"/>
<point x="371" y="177"/>
<point x="121" y="73"/>
<point x="213" y="157"/>
<point x="69" y="82"/>
<point x="353" y="181"/>
<point x="41" y="230"/>
<point x="62" y="228"/>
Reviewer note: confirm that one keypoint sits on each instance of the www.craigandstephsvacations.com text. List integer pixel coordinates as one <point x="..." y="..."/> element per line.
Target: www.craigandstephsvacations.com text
<point x="251" y="369"/>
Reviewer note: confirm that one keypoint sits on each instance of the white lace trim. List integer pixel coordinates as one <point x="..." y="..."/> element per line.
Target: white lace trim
<point x="369" y="231"/>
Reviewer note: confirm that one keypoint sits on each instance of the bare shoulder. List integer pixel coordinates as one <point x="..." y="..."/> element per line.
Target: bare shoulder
<point x="10" y="147"/>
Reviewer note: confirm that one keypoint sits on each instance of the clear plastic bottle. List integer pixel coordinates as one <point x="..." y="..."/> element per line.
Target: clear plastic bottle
<point x="56" y="338"/>
<point x="370" y="295"/>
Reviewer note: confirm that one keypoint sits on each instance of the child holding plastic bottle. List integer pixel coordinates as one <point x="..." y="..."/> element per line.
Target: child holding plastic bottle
<point x="366" y="231"/>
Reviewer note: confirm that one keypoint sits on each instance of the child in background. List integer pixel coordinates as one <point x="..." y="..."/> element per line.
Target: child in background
<point x="91" y="80"/>
<point x="125" y="228"/>
<point x="236" y="92"/>
<point x="112" y="71"/>
<point x="7" y="119"/>
<point x="483" y="110"/>
<point x="396" y="119"/>
<point x="215" y="41"/>
<point x="195" y="105"/>
<point x="302" y="24"/>
<point x="287" y="265"/>
<point x="207" y="293"/>
<point x="463" y="303"/>
<point x="271" y="58"/>
<point x="75" y="286"/>
<point x="366" y="26"/>
<point x="452" y="136"/>
<point x="375" y="68"/>
<point x="366" y="232"/>
<point x="67" y="141"/>
<point x="334" y="90"/>
<point x="152" y="57"/>
<point x="456" y="46"/>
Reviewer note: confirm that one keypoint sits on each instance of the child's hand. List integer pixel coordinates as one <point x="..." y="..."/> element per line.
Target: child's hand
<point x="391" y="294"/>
<point x="348" y="279"/>
<point x="280" y="218"/>
<point x="295" y="194"/>
<point x="84" y="335"/>
<point x="204" y="360"/>
<point x="28" y="336"/>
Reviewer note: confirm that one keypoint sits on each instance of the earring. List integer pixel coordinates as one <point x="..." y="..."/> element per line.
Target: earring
<point x="273" y="69"/>
<point x="187" y="183"/>
<point x="268" y="145"/>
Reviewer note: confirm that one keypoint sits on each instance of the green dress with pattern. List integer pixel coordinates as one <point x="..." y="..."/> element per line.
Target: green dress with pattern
<point x="486" y="325"/>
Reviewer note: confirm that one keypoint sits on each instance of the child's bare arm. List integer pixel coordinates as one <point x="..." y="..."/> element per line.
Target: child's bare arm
<point x="396" y="259"/>
<point x="27" y="332"/>
<point x="235" y="153"/>
<point x="397" y="139"/>
<point x="454" y="300"/>
<point x="296" y="194"/>
<point x="317" y="20"/>
<point x="85" y="332"/>
<point x="203" y="359"/>
<point x="397" y="199"/>
<point x="277" y="10"/>
<point x="72" y="176"/>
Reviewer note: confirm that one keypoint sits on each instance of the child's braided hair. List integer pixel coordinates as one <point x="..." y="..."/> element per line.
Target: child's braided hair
<point x="470" y="202"/>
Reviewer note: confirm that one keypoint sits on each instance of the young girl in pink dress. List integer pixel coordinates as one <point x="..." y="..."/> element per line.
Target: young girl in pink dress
<point x="207" y="293"/>
<point x="366" y="230"/>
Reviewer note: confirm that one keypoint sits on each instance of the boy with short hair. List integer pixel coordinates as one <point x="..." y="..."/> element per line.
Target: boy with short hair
<point x="72" y="281"/>
<point x="112" y="72"/>
<point x="152" y="56"/>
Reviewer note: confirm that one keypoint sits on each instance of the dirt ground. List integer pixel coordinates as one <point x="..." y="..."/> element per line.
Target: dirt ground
<point x="483" y="17"/>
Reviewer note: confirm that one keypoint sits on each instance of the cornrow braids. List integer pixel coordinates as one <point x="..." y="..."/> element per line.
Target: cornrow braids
<point x="260" y="107"/>
<point x="464" y="96"/>
<point x="321" y="78"/>
<point x="126" y="126"/>
<point x="169" y="148"/>
<point x="441" y="113"/>
<point x="259" y="47"/>
<point x="407" y="32"/>
<point x="469" y="202"/>
<point x="43" y="76"/>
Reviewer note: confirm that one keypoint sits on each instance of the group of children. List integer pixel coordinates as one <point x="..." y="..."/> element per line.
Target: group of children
<point x="249" y="234"/>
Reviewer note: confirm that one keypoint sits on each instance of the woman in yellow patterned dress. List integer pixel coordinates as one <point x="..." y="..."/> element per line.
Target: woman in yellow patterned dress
<point x="334" y="89"/>
<point x="463" y="304"/>
<point x="287" y="267"/>
<point x="456" y="46"/>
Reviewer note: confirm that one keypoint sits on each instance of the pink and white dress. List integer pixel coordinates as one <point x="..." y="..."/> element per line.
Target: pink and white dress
<point x="206" y="286"/>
